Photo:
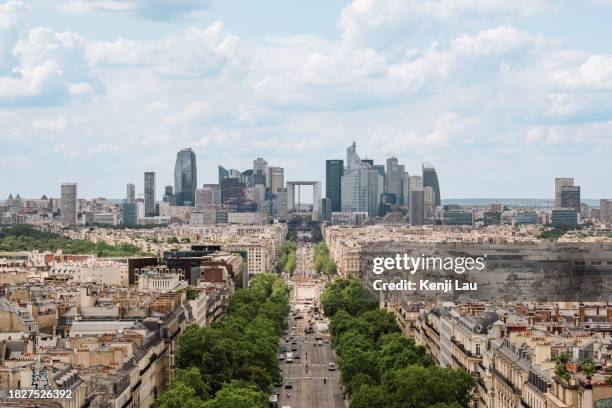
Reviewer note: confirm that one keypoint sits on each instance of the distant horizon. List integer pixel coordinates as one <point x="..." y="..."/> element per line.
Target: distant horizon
<point x="483" y="201"/>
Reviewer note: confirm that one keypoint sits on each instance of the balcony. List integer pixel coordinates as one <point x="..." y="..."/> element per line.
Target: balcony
<point x="507" y="382"/>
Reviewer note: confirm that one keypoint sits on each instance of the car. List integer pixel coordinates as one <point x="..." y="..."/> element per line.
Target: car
<point x="294" y="341"/>
<point x="296" y="356"/>
<point x="331" y="366"/>
<point x="294" y="347"/>
<point x="326" y="341"/>
<point x="286" y="339"/>
<point x="278" y="382"/>
<point x="317" y="338"/>
<point x="283" y="349"/>
<point x="299" y="317"/>
<point x="288" y="385"/>
<point x="320" y="342"/>
<point x="281" y="357"/>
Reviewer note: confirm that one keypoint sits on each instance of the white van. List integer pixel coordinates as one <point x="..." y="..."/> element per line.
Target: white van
<point x="289" y="358"/>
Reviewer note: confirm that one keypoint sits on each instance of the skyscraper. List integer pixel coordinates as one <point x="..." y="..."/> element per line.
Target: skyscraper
<point x="130" y="214"/>
<point x="430" y="179"/>
<point x="169" y="196"/>
<point x="247" y="177"/>
<point x="605" y="210"/>
<point x="394" y="180"/>
<point x="131" y="194"/>
<point x="417" y="207"/>
<point x="216" y="192"/>
<point x="260" y="170"/>
<point x="185" y="177"/>
<point x="429" y="203"/>
<point x="223" y="174"/>
<point x="232" y="191"/>
<point x="361" y="184"/>
<point x="203" y="198"/>
<point x="570" y="197"/>
<point x="334" y="170"/>
<point x="277" y="178"/>
<point x="561" y="182"/>
<point x="68" y="205"/>
<point x="149" y="193"/>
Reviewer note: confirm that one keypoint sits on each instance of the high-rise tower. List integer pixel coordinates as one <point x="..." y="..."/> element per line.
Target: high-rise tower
<point x="559" y="183"/>
<point x="68" y="203"/>
<point x="185" y="177"/>
<point x="149" y="194"/>
<point x="131" y="194"/>
<point x="334" y="169"/>
<point x="430" y="179"/>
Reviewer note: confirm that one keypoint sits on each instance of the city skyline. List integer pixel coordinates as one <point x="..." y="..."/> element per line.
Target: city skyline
<point x="496" y="95"/>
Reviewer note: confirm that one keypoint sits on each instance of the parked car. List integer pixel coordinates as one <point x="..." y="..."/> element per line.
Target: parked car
<point x="281" y="357"/>
<point x="331" y="366"/>
<point x="288" y="385"/>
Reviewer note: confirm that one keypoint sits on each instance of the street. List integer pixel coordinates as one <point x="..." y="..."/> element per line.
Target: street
<point x="314" y="383"/>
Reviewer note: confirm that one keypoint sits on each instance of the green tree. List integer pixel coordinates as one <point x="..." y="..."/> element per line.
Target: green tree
<point x="191" y="377"/>
<point x="560" y="366"/>
<point x="190" y="346"/>
<point x="397" y="351"/>
<point x="353" y="341"/>
<point x="369" y="396"/>
<point x="238" y="395"/>
<point x="422" y="387"/>
<point x="179" y="395"/>
<point x="358" y="363"/>
<point x="589" y="367"/>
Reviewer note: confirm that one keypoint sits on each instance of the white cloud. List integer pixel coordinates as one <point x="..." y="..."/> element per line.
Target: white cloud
<point x="499" y="41"/>
<point x="51" y="68"/>
<point x="594" y="74"/>
<point x="151" y="9"/>
<point x="203" y="113"/>
<point x="157" y="106"/>
<point x="50" y="125"/>
<point x="193" y="53"/>
<point x="355" y="78"/>
<point x="11" y="15"/>
<point x="383" y="23"/>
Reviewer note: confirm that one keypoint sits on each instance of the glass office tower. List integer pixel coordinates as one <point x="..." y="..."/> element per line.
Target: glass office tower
<point x="185" y="178"/>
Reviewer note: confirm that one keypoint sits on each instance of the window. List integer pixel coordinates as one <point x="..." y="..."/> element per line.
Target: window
<point x="477" y="349"/>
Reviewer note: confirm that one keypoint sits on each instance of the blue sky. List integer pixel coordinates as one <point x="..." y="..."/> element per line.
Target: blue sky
<point x="501" y="96"/>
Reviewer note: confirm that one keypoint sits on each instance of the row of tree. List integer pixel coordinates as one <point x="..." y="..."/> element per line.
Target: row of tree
<point x="28" y="238"/>
<point x="286" y="262"/>
<point x="234" y="362"/>
<point x="379" y="367"/>
<point x="322" y="262"/>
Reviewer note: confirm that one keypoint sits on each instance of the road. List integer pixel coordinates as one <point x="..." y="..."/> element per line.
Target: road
<point x="307" y="373"/>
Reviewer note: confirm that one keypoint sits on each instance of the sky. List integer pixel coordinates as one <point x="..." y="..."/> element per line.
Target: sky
<point x="501" y="96"/>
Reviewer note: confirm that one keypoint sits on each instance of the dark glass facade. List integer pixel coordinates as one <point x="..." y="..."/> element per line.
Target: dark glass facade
<point x="430" y="179"/>
<point x="185" y="177"/>
<point x="232" y="191"/>
<point x="570" y="197"/>
<point x="334" y="169"/>
<point x="223" y="173"/>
